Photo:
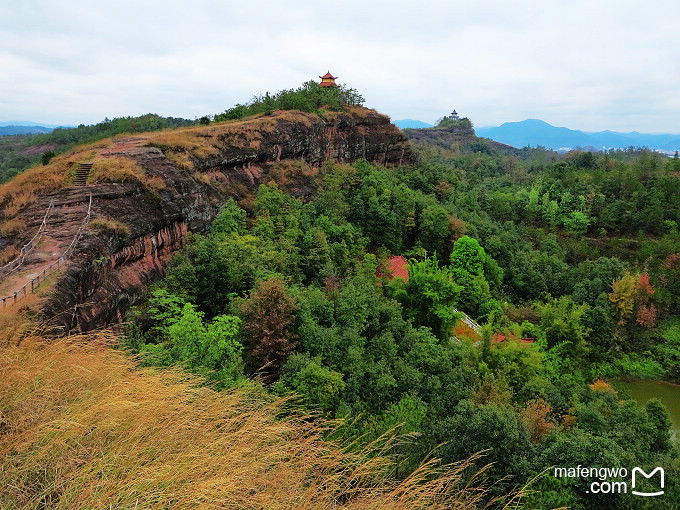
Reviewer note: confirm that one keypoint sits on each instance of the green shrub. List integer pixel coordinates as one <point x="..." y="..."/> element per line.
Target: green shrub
<point x="309" y="97"/>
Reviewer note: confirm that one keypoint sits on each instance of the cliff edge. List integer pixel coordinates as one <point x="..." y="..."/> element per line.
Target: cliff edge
<point x="149" y="190"/>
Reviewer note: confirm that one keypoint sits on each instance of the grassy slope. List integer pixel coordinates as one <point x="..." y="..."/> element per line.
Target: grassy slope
<point x="182" y="145"/>
<point x="81" y="426"/>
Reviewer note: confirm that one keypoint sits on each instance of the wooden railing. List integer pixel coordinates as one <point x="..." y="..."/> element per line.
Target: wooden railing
<point x="69" y="251"/>
<point x="54" y="266"/>
<point x="34" y="283"/>
<point x="13" y="265"/>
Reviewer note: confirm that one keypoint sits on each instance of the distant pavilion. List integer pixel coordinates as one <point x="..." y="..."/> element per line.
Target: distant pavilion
<point x="328" y="80"/>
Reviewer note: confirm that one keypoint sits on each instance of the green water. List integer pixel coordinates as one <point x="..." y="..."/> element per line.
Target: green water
<point x="669" y="394"/>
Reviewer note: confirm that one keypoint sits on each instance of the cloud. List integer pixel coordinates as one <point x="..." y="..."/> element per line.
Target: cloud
<point x="588" y="65"/>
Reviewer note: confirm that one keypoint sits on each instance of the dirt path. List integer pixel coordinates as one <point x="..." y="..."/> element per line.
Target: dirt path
<point x="61" y="227"/>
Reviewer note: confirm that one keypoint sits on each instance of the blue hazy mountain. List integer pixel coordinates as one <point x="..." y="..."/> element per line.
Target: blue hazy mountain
<point x="29" y="123"/>
<point x="13" y="129"/>
<point x="534" y="132"/>
<point x="410" y="123"/>
<point x="24" y="127"/>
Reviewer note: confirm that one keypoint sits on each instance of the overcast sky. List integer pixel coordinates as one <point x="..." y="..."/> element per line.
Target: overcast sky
<point x="583" y="64"/>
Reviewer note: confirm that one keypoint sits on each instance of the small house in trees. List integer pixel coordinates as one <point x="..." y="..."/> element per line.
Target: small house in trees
<point x="328" y="80"/>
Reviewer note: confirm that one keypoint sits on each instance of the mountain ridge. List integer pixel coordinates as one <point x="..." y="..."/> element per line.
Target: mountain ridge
<point x="15" y="129"/>
<point x="411" y="124"/>
<point x="536" y="132"/>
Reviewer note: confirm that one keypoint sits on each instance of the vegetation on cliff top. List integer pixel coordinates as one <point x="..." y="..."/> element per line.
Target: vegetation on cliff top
<point x="184" y="146"/>
<point x="309" y="97"/>
<point x="20" y="152"/>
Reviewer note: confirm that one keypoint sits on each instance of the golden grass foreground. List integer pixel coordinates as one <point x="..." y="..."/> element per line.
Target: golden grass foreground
<point x="83" y="427"/>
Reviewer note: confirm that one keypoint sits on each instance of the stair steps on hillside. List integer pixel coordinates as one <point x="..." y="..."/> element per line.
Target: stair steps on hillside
<point x="469" y="322"/>
<point x="82" y="173"/>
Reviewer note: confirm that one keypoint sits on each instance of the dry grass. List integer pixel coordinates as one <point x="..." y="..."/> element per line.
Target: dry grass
<point x="361" y="112"/>
<point x="108" y="225"/>
<point x="17" y="194"/>
<point x="17" y="320"/>
<point x="24" y="189"/>
<point x="286" y="171"/>
<point x="116" y="169"/>
<point x="180" y="159"/>
<point x="119" y="169"/>
<point x="183" y="146"/>
<point x="12" y="227"/>
<point x="200" y="142"/>
<point x="155" y="184"/>
<point x="83" y="427"/>
<point x="201" y="177"/>
<point x="195" y="142"/>
<point x="8" y="253"/>
<point x="19" y="202"/>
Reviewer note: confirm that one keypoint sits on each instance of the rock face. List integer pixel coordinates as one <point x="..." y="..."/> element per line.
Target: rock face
<point x="189" y="174"/>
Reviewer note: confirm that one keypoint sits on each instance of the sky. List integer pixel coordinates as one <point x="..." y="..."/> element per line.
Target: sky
<point x="590" y="65"/>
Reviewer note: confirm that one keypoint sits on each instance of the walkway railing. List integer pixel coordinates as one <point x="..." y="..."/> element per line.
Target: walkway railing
<point x="469" y="322"/>
<point x="13" y="265"/>
<point x="54" y="266"/>
<point x="34" y="283"/>
<point x="69" y="251"/>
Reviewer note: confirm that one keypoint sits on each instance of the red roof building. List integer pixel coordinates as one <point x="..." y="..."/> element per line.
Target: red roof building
<point x="498" y="338"/>
<point x="397" y="267"/>
<point x="328" y="80"/>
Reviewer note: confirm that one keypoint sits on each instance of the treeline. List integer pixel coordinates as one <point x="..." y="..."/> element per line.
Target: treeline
<point x="17" y="153"/>
<point x="309" y="97"/>
<point x="110" y="127"/>
<point x="298" y="296"/>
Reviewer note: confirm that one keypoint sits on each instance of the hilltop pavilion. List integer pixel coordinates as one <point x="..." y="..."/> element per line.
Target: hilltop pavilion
<point x="328" y="80"/>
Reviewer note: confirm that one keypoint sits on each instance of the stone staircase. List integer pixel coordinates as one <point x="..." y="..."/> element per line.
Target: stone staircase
<point x="82" y="173"/>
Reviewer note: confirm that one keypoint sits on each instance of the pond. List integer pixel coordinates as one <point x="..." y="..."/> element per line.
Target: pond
<point x="668" y="393"/>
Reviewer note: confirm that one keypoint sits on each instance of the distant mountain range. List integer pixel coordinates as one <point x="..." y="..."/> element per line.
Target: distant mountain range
<point x="410" y="123"/>
<point x="534" y="132"/>
<point x="23" y="130"/>
<point x="23" y="127"/>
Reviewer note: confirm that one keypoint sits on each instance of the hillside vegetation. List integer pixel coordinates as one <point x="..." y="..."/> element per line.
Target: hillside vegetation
<point x="286" y="306"/>
<point x="20" y="152"/>
<point x="573" y="254"/>
<point x="82" y="427"/>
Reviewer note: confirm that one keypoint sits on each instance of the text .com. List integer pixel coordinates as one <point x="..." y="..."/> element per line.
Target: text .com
<point x="615" y="480"/>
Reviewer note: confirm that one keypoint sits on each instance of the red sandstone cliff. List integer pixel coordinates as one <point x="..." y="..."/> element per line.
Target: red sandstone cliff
<point x="187" y="175"/>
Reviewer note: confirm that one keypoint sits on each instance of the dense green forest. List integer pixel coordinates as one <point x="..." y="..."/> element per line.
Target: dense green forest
<point x="579" y="254"/>
<point x="18" y="152"/>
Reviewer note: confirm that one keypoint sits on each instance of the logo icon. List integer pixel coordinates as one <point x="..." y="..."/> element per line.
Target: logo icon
<point x="638" y="470"/>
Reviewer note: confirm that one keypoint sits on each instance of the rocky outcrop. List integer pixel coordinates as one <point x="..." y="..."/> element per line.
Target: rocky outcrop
<point x="462" y="137"/>
<point x="188" y="175"/>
